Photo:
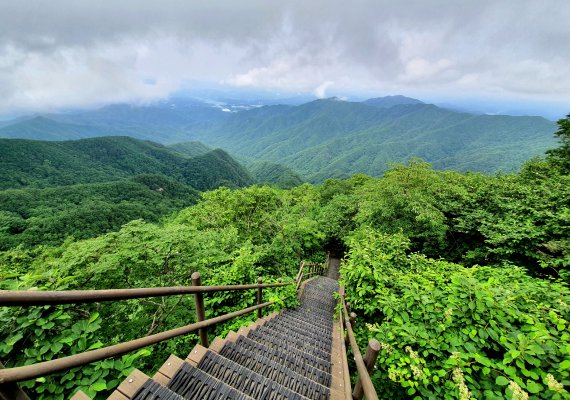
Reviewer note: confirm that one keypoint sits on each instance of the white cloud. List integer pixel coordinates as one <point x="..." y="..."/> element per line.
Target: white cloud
<point x="65" y="53"/>
<point x="321" y="90"/>
<point x="268" y="76"/>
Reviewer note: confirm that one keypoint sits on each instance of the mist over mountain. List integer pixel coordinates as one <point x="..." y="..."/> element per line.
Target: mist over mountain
<point x="391" y="101"/>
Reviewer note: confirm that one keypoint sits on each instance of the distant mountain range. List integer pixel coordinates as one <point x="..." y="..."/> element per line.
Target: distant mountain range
<point x="334" y="138"/>
<point x="319" y="139"/>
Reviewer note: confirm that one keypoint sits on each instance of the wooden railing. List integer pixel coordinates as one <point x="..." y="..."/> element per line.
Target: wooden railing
<point x="364" y="366"/>
<point x="308" y="269"/>
<point x="9" y="376"/>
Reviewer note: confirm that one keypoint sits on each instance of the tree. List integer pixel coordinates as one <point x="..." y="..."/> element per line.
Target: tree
<point x="561" y="155"/>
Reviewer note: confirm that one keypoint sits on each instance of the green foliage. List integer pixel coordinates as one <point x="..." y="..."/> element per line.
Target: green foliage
<point x="48" y="216"/>
<point x="39" y="164"/>
<point x="522" y="219"/>
<point x="407" y="199"/>
<point x="469" y="218"/>
<point x="416" y="238"/>
<point x="561" y="155"/>
<point x="191" y="149"/>
<point x="330" y="138"/>
<point x="35" y="334"/>
<point x="274" y="174"/>
<point x="451" y="332"/>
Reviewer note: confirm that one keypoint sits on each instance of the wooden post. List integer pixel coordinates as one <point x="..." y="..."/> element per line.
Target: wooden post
<point x="200" y="312"/>
<point x="259" y="297"/>
<point x="11" y="391"/>
<point x="352" y="321"/>
<point x="300" y="274"/>
<point x="369" y="359"/>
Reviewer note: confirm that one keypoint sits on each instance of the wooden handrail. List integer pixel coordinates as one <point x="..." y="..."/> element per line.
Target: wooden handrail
<point x="27" y="298"/>
<point x="363" y="374"/>
<point x="48" y="297"/>
<point x="346" y="373"/>
<point x="61" y="364"/>
<point x="314" y="269"/>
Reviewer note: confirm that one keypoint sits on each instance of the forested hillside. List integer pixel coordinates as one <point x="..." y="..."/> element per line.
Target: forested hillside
<point x="41" y="128"/>
<point x="334" y="138"/>
<point x="275" y="174"/>
<point x="462" y="277"/>
<point x="81" y="189"/>
<point x="191" y="149"/>
<point x="48" y="216"/>
<point x="38" y="164"/>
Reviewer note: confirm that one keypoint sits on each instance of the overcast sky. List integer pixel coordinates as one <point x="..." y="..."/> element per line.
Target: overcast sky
<point x="70" y="53"/>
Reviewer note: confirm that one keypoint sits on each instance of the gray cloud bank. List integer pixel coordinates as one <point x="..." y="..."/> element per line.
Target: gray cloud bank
<point x="63" y="53"/>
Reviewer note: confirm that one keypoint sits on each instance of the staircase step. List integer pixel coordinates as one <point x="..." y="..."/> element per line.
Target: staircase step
<point x="301" y="329"/>
<point x="244" y="379"/>
<point x="290" y="357"/>
<point x="309" y="317"/>
<point x="279" y="343"/>
<point x="168" y="370"/>
<point x="302" y="339"/>
<point x="194" y="384"/>
<point x="151" y="390"/>
<point x="279" y="373"/>
<point x="278" y="339"/>
<point x="130" y="386"/>
<point x="283" y="356"/>
<point x="304" y="325"/>
<point x="286" y="316"/>
<point x="283" y="371"/>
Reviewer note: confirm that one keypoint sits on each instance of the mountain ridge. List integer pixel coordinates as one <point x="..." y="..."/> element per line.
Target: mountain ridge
<point x="314" y="136"/>
<point x="324" y="137"/>
<point x="29" y="163"/>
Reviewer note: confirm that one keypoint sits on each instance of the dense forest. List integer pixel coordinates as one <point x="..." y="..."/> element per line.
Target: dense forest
<point x="462" y="277"/>
<point x="54" y="191"/>
<point x="332" y="138"/>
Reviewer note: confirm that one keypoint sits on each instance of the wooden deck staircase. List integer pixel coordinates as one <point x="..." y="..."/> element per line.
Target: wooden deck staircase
<point x="294" y="354"/>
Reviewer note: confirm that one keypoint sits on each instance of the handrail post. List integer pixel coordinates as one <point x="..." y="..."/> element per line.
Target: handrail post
<point x="200" y="312"/>
<point x="352" y="320"/>
<point x="11" y="391"/>
<point x="300" y="274"/>
<point x="369" y="359"/>
<point x="259" y="296"/>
